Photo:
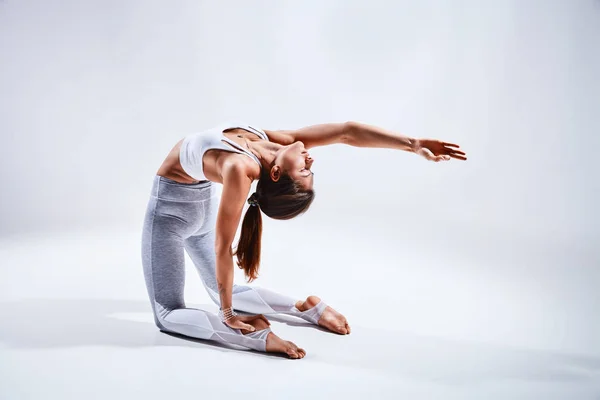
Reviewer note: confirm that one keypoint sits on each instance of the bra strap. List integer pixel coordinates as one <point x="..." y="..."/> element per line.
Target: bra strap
<point x="260" y="132"/>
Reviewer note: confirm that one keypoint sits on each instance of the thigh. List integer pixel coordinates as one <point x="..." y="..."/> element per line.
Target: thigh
<point x="166" y="225"/>
<point x="201" y="249"/>
<point x="200" y="246"/>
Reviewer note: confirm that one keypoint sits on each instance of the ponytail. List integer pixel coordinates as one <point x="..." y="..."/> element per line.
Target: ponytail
<point x="248" y="248"/>
<point x="282" y="199"/>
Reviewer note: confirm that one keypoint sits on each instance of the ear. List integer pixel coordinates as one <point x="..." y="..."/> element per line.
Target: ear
<point x="275" y="173"/>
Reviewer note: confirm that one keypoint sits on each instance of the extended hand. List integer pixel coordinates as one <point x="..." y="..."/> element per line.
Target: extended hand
<point x="436" y="150"/>
<point x="241" y="322"/>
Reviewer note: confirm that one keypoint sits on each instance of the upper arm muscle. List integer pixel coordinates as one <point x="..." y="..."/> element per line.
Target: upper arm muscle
<point x="314" y="135"/>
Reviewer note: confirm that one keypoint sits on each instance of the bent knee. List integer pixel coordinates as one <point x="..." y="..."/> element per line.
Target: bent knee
<point x="159" y="324"/>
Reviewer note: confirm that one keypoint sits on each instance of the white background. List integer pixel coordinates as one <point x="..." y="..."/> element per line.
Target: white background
<point x="502" y="250"/>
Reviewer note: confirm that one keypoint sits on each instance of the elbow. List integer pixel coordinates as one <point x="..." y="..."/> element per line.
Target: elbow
<point x="348" y="132"/>
<point x="223" y="249"/>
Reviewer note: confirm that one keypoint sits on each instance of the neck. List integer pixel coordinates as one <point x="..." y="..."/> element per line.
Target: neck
<point x="265" y="151"/>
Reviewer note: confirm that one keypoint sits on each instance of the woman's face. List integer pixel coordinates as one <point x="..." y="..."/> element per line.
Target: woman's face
<point x="296" y="162"/>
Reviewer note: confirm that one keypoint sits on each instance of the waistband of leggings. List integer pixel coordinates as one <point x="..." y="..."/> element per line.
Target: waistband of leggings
<point x="168" y="189"/>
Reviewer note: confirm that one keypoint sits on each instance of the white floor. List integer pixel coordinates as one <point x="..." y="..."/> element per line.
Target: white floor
<point x="75" y="323"/>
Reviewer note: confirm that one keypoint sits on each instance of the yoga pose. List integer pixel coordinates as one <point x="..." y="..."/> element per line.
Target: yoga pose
<point x="185" y="212"/>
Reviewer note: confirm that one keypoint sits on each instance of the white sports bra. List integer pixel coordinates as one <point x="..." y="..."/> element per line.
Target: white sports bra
<point x="196" y="144"/>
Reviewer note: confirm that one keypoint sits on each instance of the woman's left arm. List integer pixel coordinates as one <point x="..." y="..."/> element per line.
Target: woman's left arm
<point x="362" y="135"/>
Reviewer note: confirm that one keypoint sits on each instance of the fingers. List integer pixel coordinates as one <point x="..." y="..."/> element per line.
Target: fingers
<point x="446" y="144"/>
<point x="458" y="157"/>
<point x="247" y="327"/>
<point x="453" y="151"/>
<point x="238" y="324"/>
<point x="448" y="154"/>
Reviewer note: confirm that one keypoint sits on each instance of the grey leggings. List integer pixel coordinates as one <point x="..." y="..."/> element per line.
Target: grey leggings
<point x="183" y="216"/>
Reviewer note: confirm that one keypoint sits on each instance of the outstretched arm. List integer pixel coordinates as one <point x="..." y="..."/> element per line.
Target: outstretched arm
<point x="362" y="135"/>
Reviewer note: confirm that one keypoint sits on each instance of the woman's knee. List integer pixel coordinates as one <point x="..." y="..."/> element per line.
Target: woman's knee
<point x="158" y="323"/>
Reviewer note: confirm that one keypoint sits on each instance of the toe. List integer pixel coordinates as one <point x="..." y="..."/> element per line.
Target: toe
<point x="292" y="350"/>
<point x="291" y="353"/>
<point x="301" y="352"/>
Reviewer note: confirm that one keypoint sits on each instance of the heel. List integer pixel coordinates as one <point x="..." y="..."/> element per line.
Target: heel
<point x="313" y="314"/>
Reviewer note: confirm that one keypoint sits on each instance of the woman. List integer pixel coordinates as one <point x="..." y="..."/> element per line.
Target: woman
<point x="184" y="212"/>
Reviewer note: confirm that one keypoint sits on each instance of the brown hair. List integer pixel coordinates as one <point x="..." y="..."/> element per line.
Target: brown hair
<point x="284" y="199"/>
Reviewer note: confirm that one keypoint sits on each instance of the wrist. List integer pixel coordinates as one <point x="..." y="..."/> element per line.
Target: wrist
<point x="225" y="314"/>
<point x="415" y="145"/>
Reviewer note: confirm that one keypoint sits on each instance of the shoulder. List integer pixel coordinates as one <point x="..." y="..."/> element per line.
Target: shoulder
<point x="237" y="167"/>
<point x="237" y="178"/>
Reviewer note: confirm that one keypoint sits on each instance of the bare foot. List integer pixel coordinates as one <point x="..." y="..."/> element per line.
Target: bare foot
<point x="330" y="319"/>
<point x="275" y="344"/>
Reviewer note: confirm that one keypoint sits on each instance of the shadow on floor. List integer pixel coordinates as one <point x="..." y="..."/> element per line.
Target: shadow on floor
<point x="40" y="323"/>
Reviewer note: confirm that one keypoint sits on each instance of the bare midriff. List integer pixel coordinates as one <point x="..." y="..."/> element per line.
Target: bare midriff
<point x="171" y="167"/>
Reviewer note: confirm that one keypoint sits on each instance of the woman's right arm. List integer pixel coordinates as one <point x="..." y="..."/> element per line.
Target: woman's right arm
<point x="237" y="181"/>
